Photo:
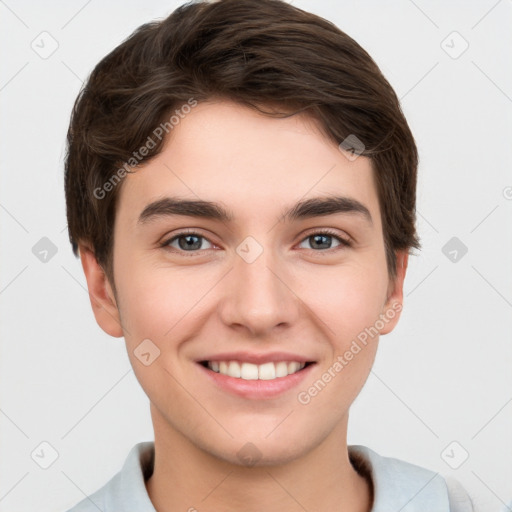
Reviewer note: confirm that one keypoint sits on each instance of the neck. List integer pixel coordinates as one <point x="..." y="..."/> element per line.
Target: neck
<point x="187" y="478"/>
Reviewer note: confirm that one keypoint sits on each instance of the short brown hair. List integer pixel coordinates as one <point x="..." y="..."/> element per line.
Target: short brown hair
<point x="257" y="53"/>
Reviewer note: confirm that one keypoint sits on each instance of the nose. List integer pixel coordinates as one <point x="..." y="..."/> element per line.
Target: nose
<point x="259" y="297"/>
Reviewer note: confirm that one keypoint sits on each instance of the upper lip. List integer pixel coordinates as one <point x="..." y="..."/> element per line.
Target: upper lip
<point x="255" y="358"/>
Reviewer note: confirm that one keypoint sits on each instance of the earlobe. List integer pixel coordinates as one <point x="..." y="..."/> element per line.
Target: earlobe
<point x="101" y="294"/>
<point x="393" y="305"/>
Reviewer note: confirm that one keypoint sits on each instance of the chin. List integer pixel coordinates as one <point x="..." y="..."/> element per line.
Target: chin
<point x="258" y="451"/>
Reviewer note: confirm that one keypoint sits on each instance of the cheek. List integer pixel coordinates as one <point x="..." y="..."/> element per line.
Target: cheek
<point x="347" y="303"/>
<point x="156" y="308"/>
<point x="348" y="312"/>
<point x="156" y="298"/>
<point x="166" y="306"/>
<point x="346" y="300"/>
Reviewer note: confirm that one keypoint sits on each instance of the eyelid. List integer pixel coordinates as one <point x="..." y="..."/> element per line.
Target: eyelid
<point x="345" y="238"/>
<point x="166" y="239"/>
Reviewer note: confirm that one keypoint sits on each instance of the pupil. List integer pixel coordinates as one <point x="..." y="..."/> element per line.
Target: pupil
<point x="189" y="243"/>
<point x="320" y="237"/>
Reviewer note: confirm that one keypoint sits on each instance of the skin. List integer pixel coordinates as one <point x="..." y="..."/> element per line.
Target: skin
<point x="294" y="297"/>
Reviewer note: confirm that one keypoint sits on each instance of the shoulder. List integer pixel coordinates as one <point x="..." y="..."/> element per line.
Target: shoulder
<point x="407" y="487"/>
<point x="126" y="490"/>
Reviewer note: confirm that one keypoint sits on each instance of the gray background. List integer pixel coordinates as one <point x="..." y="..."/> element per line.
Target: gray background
<point x="441" y="386"/>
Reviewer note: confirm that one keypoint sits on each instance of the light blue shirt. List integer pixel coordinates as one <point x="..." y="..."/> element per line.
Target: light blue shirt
<point x="397" y="485"/>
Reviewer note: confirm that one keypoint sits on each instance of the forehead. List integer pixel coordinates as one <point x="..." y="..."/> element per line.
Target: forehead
<point x="253" y="163"/>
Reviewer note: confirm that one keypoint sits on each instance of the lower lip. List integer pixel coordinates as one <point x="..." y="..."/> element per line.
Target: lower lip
<point x="257" y="389"/>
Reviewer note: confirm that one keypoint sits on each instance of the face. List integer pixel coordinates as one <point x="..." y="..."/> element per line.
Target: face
<point x="254" y="308"/>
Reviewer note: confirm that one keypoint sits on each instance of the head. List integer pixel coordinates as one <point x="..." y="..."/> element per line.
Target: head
<point x="252" y="105"/>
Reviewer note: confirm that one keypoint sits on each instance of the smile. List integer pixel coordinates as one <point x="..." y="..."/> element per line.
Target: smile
<point x="258" y="379"/>
<point x="250" y="371"/>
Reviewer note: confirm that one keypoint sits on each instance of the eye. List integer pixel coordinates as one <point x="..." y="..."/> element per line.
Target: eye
<point x="190" y="241"/>
<point x="323" y="240"/>
<point x="187" y="241"/>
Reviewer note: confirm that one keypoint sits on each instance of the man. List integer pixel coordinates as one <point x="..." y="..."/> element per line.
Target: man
<point x="240" y="186"/>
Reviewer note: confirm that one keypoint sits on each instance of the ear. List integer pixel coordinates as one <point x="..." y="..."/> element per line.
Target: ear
<point x="394" y="302"/>
<point x="101" y="294"/>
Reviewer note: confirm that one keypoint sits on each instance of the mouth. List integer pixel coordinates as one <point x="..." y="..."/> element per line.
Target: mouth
<point x="250" y="371"/>
<point x="258" y="379"/>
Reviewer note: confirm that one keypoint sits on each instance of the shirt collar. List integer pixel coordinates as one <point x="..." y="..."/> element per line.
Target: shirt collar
<point x="397" y="485"/>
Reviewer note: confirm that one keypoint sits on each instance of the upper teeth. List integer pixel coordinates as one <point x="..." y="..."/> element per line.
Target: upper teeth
<point x="249" y="371"/>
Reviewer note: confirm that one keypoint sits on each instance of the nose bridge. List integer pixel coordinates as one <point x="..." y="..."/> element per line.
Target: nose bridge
<point x="260" y="300"/>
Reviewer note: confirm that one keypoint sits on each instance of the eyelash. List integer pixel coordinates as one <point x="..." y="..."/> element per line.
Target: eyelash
<point x="344" y="242"/>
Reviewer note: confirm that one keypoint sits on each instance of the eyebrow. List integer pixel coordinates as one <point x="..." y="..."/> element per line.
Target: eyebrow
<point x="314" y="207"/>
